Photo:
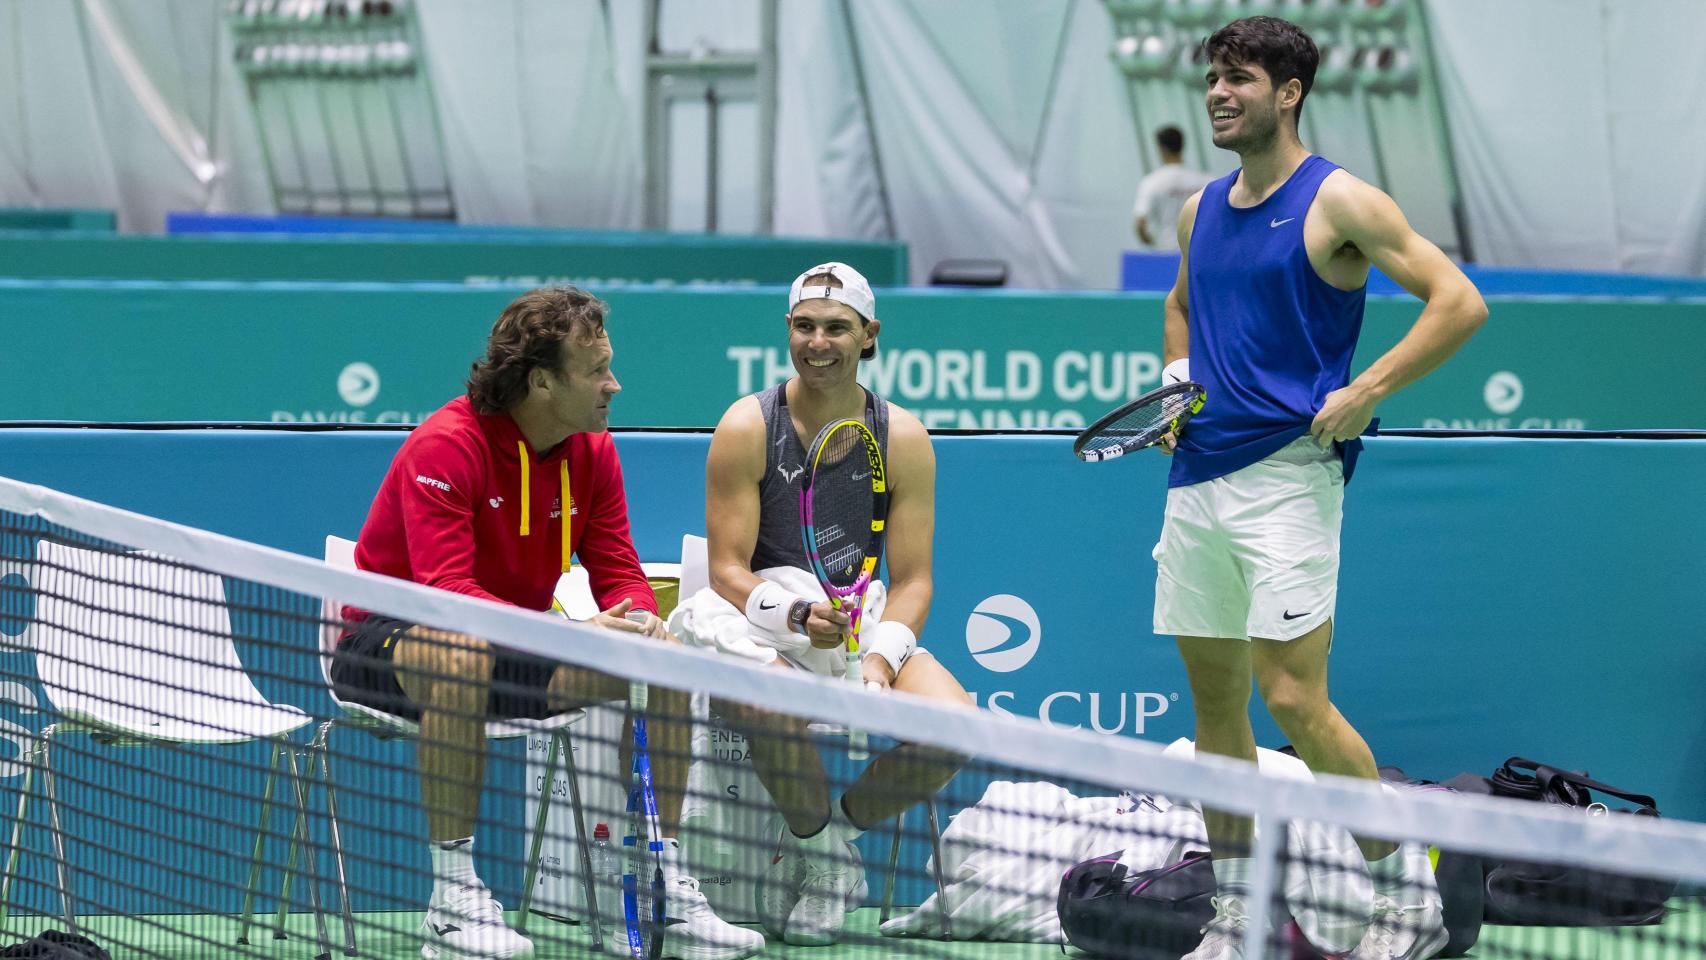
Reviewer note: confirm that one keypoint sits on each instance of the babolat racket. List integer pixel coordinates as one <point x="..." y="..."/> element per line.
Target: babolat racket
<point x="1141" y="423"/>
<point x="642" y="880"/>
<point x="843" y="507"/>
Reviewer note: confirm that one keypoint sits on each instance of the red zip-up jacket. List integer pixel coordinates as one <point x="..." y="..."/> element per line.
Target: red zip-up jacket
<point x="467" y="506"/>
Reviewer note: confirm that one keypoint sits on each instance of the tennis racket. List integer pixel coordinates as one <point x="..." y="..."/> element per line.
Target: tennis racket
<point x="1140" y="423"/>
<point x="642" y="879"/>
<point x="843" y="508"/>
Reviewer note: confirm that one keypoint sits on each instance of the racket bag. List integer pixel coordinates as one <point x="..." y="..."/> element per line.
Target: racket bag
<point x="1108" y="911"/>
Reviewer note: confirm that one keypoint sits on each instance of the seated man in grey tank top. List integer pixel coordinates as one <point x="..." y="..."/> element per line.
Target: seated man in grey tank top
<point x="753" y="477"/>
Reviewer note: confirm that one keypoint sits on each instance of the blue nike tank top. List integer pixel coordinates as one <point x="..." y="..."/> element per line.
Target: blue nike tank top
<point x="1269" y="339"/>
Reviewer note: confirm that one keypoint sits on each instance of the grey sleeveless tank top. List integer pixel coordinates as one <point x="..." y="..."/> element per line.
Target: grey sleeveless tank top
<point x="780" y="541"/>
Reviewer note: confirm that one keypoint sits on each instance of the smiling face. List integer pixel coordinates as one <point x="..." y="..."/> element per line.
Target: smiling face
<point x="1245" y="110"/>
<point x="824" y="340"/>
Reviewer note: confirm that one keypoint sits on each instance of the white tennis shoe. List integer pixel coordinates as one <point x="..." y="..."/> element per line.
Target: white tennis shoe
<point x="1223" y="938"/>
<point x="463" y="922"/>
<point x="831" y="876"/>
<point x="692" y="930"/>
<point x="1415" y="932"/>
<point x="779" y="888"/>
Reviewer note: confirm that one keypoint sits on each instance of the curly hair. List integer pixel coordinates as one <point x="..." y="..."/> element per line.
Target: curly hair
<point x="1277" y="46"/>
<point x="529" y="334"/>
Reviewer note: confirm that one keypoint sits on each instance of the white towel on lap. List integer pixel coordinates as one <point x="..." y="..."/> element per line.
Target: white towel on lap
<point x="706" y="619"/>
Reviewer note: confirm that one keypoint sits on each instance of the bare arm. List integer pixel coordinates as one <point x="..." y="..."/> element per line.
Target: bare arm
<point x="1141" y="226"/>
<point x="912" y="520"/>
<point x="1175" y="310"/>
<point x="1362" y="215"/>
<point x="1175" y="329"/>
<point x="911" y="534"/>
<point x="733" y="469"/>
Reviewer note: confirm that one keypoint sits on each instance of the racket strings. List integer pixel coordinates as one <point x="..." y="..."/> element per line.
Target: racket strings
<point x="1142" y="421"/>
<point x="842" y="497"/>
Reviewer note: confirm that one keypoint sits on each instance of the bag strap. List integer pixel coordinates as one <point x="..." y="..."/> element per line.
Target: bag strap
<point x="1561" y="783"/>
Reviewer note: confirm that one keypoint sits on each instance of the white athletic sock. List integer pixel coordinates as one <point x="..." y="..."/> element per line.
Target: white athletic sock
<point x="452" y="863"/>
<point x="1232" y="877"/>
<point x="1388" y="876"/>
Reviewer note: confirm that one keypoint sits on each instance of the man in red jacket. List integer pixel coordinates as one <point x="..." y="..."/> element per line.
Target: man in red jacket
<point x="490" y="497"/>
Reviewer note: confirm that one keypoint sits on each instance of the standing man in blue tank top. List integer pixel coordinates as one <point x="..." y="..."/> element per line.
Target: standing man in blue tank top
<point x="1267" y="308"/>
<point x="753" y="476"/>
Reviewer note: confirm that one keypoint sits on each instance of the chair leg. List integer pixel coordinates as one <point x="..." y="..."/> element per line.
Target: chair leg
<point x="936" y="862"/>
<point x="894" y="867"/>
<point x="589" y="882"/>
<point x="260" y="844"/>
<point x="31" y="760"/>
<point x="531" y="878"/>
<point x="61" y="866"/>
<point x="323" y="743"/>
<point x="300" y="782"/>
<point x="298" y="830"/>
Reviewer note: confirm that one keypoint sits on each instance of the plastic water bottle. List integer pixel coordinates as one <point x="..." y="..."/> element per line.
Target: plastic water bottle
<point x="606" y="865"/>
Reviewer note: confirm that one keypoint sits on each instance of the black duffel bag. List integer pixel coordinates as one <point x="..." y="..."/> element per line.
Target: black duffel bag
<point x="1562" y="895"/>
<point x="1107" y="911"/>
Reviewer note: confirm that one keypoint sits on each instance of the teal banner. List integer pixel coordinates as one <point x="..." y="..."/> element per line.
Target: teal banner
<point x="589" y="258"/>
<point x="999" y="360"/>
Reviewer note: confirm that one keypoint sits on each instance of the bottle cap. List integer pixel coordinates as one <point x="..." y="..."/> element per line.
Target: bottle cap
<point x="601" y="832"/>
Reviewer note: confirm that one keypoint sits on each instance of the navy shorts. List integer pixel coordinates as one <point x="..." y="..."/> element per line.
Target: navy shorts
<point x="362" y="673"/>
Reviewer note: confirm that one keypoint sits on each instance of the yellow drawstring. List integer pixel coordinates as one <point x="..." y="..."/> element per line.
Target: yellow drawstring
<point x="568" y="503"/>
<point x="526" y="488"/>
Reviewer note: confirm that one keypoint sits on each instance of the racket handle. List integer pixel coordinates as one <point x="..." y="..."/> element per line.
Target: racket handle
<point x="637" y="696"/>
<point x="857" y="743"/>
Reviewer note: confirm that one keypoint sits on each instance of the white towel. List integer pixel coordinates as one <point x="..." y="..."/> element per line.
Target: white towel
<point x="706" y="619"/>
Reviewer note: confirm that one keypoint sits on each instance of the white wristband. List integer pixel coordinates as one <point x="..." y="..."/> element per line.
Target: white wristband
<point x="768" y="604"/>
<point x="1176" y="372"/>
<point x="893" y="641"/>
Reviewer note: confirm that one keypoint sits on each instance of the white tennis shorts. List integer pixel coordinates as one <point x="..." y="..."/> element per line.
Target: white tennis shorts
<point x="1254" y="553"/>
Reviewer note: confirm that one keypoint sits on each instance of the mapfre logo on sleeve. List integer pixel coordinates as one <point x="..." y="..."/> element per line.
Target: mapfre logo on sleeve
<point x="425" y="480"/>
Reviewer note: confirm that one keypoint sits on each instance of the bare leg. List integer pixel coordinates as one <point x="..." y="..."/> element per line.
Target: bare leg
<point x="1219" y="670"/>
<point x="909" y="773"/>
<point x="786" y="761"/>
<point x="1292" y="677"/>
<point x="669" y="732"/>
<point x="448" y="675"/>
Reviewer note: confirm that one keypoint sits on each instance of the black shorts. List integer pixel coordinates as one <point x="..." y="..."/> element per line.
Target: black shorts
<point x="362" y="673"/>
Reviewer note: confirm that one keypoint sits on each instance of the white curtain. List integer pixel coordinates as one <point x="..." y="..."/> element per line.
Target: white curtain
<point x="125" y="106"/>
<point x="966" y="128"/>
<point x="1578" y="127"/>
<point x="536" y="129"/>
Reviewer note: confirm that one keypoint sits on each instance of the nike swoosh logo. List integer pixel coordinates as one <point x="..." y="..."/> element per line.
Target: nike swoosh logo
<point x="447" y="928"/>
<point x="1278" y="223"/>
<point x="672" y="921"/>
<point x="1293" y="616"/>
<point x="766" y="606"/>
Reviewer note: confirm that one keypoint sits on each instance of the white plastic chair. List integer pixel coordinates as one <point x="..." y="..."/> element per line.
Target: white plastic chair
<point x="340" y="553"/>
<point x="135" y="650"/>
<point x="695" y="575"/>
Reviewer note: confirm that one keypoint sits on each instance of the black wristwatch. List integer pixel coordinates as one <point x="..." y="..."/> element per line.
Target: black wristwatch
<point x="798" y="614"/>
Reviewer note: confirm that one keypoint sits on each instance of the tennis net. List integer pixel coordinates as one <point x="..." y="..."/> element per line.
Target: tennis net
<point x="185" y="783"/>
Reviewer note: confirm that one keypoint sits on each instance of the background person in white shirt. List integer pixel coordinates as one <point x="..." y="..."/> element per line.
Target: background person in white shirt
<point x="1162" y="193"/>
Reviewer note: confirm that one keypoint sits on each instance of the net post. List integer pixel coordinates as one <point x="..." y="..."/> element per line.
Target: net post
<point x="1264" y="876"/>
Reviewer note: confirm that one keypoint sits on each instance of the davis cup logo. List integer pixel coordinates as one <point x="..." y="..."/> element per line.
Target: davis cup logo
<point x="1003" y="633"/>
<point x="1503" y="392"/>
<point x="358" y="384"/>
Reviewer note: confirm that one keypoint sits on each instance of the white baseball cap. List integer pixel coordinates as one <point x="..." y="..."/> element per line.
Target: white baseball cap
<point x="854" y="291"/>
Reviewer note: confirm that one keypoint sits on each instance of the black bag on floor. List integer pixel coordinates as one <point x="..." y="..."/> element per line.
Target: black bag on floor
<point x="1109" y="912"/>
<point x="56" y="945"/>
<point x="1560" y="895"/>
